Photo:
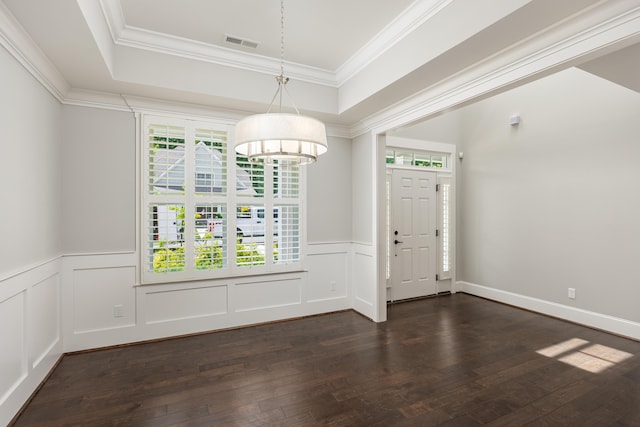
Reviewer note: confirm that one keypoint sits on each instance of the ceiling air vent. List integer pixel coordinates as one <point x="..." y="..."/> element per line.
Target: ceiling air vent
<point x="240" y="41"/>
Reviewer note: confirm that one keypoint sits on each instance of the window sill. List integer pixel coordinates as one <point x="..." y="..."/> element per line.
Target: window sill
<point x="227" y="277"/>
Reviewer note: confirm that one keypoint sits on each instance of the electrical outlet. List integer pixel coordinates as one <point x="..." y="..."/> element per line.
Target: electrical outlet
<point x="118" y="310"/>
<point x="332" y="285"/>
<point x="572" y="293"/>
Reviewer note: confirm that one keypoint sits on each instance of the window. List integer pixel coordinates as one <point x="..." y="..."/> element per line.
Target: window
<point x="418" y="159"/>
<point x="444" y="225"/>
<point x="209" y="212"/>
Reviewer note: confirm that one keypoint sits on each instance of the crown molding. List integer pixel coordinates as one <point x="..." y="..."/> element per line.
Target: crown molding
<point x="338" y="131"/>
<point x="114" y="17"/>
<point x="94" y="99"/>
<point x="602" y="28"/>
<point x="139" y="38"/>
<point x="607" y="26"/>
<point x="411" y="18"/>
<point x="140" y="104"/>
<point x="408" y="21"/>
<point x="21" y="46"/>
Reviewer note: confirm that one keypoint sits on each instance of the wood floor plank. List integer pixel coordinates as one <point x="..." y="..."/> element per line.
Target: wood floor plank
<point x="454" y="360"/>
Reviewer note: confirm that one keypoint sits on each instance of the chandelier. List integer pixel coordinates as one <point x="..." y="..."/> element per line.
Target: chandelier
<point x="282" y="137"/>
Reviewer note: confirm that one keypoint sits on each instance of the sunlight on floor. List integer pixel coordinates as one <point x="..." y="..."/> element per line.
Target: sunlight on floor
<point x="563" y="347"/>
<point x="582" y="354"/>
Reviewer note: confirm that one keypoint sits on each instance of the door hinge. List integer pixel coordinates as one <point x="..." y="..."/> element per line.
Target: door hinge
<point x="437" y="187"/>
<point x="437" y="232"/>
<point x="437" y="277"/>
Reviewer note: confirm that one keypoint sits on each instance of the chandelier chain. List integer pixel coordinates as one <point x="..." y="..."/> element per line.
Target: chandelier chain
<point x="278" y="138"/>
<point x="282" y="38"/>
<point x="281" y="79"/>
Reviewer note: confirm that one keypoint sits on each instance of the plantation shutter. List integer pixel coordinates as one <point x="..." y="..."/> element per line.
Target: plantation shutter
<point x="208" y="212"/>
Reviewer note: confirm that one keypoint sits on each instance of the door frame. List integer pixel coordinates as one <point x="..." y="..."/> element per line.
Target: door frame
<point x="449" y="175"/>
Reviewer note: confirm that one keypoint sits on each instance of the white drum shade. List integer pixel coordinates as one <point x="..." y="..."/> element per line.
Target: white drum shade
<point x="280" y="136"/>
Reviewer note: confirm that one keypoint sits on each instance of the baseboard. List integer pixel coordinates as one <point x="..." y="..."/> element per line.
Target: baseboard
<point x="591" y="319"/>
<point x="36" y="390"/>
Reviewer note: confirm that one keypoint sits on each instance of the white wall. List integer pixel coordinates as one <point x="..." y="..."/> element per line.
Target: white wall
<point x="362" y="189"/>
<point x="98" y="177"/>
<point x="30" y="172"/>
<point x="100" y="266"/>
<point x="329" y="208"/>
<point x="363" y="262"/>
<point x="30" y="213"/>
<point x="446" y="127"/>
<point x="329" y="194"/>
<point x="554" y="203"/>
<point x="71" y="213"/>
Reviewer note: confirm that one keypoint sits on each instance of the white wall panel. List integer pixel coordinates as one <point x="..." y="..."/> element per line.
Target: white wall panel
<point x="29" y="333"/>
<point x="363" y="280"/>
<point x="44" y="314"/>
<point x="96" y="294"/>
<point x="164" y="304"/>
<point x="327" y="276"/>
<point x="13" y="366"/>
<point x="264" y="294"/>
<point x="94" y="284"/>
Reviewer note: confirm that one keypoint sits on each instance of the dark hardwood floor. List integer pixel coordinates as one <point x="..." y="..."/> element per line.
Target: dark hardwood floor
<point x="454" y="360"/>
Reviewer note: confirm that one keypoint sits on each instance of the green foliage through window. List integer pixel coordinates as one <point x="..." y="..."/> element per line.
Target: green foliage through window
<point x="208" y="256"/>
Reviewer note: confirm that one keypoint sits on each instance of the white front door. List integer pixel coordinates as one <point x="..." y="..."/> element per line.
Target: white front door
<point x="413" y="234"/>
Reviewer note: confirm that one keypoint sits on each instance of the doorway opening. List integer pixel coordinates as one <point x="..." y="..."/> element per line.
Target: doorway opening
<point x="419" y="204"/>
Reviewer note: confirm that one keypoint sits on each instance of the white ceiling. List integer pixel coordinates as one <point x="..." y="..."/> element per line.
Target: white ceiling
<point x="318" y="33"/>
<point x="347" y="59"/>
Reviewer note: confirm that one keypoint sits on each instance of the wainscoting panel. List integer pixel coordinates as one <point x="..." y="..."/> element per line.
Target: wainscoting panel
<point x="99" y="300"/>
<point x="328" y="277"/>
<point x="105" y="306"/>
<point x="103" y="298"/>
<point x="363" y="280"/>
<point x="30" y="333"/>
<point x="13" y="366"/>
<point x="44" y="327"/>
<point x="90" y="301"/>
<point x="267" y="293"/>
<point x="165" y="303"/>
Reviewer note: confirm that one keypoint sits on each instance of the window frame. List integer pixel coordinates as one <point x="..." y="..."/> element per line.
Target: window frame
<point x="416" y="159"/>
<point x="231" y="199"/>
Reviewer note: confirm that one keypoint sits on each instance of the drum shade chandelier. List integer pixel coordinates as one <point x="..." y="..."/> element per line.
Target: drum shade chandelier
<point x="283" y="137"/>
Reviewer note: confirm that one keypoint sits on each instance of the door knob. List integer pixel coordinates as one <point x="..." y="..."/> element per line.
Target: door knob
<point x="396" y="241"/>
